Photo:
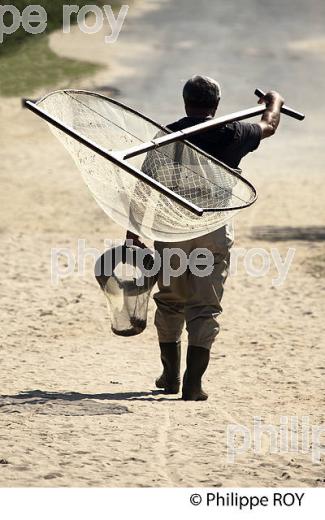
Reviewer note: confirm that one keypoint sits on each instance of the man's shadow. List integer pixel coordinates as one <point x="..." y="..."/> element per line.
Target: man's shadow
<point x="39" y="397"/>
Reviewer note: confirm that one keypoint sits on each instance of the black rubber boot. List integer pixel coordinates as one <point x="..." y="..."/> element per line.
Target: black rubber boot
<point x="196" y="364"/>
<point x="170" y="379"/>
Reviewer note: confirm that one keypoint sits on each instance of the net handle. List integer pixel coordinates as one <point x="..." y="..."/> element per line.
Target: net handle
<point x="181" y="135"/>
<point x="207" y="125"/>
<point x="285" y="110"/>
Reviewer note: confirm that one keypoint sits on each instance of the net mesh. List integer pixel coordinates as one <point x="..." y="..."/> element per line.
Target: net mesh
<point x="127" y="287"/>
<point x="131" y="202"/>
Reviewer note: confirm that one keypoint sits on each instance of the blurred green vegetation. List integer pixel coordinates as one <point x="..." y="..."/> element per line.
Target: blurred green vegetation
<point x="26" y="61"/>
<point x="35" y="66"/>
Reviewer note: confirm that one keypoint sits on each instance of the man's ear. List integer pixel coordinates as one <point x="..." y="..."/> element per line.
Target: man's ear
<point x="213" y="110"/>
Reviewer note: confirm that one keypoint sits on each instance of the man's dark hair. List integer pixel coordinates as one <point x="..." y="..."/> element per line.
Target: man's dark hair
<point x="201" y="92"/>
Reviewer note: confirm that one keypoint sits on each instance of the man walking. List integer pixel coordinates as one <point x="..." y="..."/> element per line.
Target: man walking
<point x="189" y="299"/>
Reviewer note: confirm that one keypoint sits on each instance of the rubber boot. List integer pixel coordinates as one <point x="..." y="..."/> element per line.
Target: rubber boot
<point x="170" y="380"/>
<point x="197" y="361"/>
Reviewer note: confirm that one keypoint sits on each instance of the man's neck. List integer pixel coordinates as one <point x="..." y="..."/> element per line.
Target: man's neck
<point x="199" y="112"/>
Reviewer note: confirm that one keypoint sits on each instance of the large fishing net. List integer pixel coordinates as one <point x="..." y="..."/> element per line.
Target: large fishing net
<point x="124" y="195"/>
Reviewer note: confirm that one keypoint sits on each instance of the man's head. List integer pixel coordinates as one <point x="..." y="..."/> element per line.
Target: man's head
<point x="201" y="96"/>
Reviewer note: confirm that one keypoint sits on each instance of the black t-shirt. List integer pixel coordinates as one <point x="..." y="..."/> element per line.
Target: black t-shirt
<point x="229" y="143"/>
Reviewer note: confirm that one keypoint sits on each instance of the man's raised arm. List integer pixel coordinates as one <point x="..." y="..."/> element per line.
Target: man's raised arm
<point x="271" y="117"/>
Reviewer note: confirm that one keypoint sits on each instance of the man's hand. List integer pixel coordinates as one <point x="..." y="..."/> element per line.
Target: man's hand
<point x="271" y="117"/>
<point x="271" y="98"/>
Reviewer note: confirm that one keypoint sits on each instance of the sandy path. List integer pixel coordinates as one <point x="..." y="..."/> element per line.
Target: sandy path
<point x="78" y="406"/>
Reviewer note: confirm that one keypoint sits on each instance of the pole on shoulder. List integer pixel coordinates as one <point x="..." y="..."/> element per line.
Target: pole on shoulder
<point x="193" y="130"/>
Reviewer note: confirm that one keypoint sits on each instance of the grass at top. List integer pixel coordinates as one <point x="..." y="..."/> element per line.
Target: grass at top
<point x="26" y="61"/>
<point x="54" y="10"/>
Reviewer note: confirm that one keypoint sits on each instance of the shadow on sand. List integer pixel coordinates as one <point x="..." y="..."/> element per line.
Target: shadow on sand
<point x="281" y="233"/>
<point x="75" y="403"/>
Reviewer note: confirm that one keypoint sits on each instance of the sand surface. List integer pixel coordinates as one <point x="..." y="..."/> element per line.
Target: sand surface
<point x="78" y="405"/>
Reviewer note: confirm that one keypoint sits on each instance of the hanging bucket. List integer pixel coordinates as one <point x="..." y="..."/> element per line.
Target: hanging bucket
<point x="124" y="275"/>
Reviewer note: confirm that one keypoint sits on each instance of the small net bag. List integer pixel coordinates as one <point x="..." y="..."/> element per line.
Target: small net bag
<point x="126" y="276"/>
